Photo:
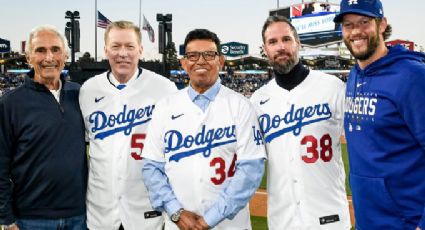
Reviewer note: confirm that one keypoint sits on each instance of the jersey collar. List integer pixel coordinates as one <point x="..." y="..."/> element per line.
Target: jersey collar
<point x="210" y="94"/>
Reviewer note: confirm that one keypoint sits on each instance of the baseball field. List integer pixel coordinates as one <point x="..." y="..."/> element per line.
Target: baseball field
<point x="258" y="204"/>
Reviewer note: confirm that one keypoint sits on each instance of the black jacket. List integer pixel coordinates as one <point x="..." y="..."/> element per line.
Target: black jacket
<point x="43" y="165"/>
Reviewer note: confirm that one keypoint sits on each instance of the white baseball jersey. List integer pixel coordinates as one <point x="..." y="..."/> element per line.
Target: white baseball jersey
<point x="116" y="122"/>
<point x="200" y="149"/>
<point x="302" y="129"/>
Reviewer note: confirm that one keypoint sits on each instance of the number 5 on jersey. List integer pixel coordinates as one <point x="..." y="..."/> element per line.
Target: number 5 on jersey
<point x="137" y="143"/>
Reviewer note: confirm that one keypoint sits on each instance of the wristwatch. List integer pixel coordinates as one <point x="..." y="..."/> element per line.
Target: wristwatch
<point x="7" y="227"/>
<point x="175" y="217"/>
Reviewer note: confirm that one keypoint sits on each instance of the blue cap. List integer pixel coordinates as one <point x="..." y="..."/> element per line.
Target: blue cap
<point x="371" y="8"/>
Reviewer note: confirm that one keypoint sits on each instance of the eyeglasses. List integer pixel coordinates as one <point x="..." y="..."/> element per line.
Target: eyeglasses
<point x="362" y="23"/>
<point x="207" y="55"/>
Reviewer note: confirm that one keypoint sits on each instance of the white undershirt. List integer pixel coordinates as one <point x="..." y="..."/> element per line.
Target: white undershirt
<point x="56" y="93"/>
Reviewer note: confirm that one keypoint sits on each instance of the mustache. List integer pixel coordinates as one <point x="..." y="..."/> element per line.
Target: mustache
<point x="281" y="53"/>
<point x="284" y="67"/>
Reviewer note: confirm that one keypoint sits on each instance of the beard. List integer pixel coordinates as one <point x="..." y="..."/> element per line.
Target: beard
<point x="372" y="45"/>
<point x="284" y="67"/>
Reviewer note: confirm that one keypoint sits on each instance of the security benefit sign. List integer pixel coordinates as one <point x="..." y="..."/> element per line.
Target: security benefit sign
<point x="4" y="46"/>
<point x="234" y="49"/>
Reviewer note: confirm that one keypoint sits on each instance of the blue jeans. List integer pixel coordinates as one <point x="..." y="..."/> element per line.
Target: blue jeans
<point x="70" y="223"/>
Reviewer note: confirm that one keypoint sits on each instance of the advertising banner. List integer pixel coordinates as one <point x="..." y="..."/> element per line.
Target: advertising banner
<point x="4" y="46"/>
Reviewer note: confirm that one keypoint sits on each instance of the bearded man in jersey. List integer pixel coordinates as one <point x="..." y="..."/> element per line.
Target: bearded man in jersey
<point x="300" y="113"/>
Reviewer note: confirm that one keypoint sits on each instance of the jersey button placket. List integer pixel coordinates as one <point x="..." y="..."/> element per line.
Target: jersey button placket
<point x="200" y="180"/>
<point x="295" y="159"/>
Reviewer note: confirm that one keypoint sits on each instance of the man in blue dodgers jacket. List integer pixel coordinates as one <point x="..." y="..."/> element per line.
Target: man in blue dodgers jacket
<point x="384" y="122"/>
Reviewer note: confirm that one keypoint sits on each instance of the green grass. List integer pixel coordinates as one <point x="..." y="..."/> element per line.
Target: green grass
<point x="346" y="167"/>
<point x="263" y="184"/>
<point x="258" y="223"/>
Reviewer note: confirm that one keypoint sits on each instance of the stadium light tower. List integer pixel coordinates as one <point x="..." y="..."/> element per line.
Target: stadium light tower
<point x="72" y="33"/>
<point x="165" y="28"/>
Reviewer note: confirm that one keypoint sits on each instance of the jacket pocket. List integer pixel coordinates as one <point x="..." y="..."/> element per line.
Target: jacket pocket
<point x="373" y="204"/>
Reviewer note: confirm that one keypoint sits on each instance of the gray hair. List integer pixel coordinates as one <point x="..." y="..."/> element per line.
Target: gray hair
<point x="49" y="28"/>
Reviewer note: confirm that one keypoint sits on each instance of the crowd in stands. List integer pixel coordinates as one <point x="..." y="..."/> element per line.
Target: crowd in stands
<point x="242" y="83"/>
<point x="10" y="81"/>
<point x="180" y="79"/>
<point x="245" y="84"/>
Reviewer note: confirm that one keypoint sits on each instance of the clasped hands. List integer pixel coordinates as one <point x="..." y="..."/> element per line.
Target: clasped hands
<point x="191" y="221"/>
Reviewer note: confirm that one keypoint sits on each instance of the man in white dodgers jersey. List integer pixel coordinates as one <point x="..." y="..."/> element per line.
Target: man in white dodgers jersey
<point x="117" y="107"/>
<point x="301" y="113"/>
<point x="204" y="155"/>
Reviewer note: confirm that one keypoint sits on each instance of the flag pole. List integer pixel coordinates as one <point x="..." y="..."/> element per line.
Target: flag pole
<point x="95" y="31"/>
<point x="140" y="12"/>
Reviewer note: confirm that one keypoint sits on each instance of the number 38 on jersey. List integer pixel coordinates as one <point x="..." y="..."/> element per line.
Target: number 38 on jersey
<point x="317" y="148"/>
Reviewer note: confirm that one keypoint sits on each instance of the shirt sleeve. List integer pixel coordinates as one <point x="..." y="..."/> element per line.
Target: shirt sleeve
<point x="411" y="104"/>
<point x="154" y="145"/>
<point x="6" y="212"/>
<point x="250" y="143"/>
<point x="237" y="194"/>
<point x="81" y="95"/>
<point x="413" y="111"/>
<point x="340" y="107"/>
<point x="161" y="194"/>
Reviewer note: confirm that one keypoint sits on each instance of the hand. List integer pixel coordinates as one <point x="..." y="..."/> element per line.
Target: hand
<point x="203" y="224"/>
<point x="188" y="221"/>
<point x="14" y="227"/>
<point x="418" y="228"/>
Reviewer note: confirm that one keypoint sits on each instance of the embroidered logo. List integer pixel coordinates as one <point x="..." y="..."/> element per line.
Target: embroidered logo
<point x="293" y="120"/>
<point x="96" y="100"/>
<point x="104" y="125"/>
<point x="360" y="84"/>
<point x="264" y="102"/>
<point x="173" y="117"/>
<point x="203" y="142"/>
<point x="351" y="2"/>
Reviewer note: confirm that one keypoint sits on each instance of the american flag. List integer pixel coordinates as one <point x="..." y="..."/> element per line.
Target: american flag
<point x="102" y="21"/>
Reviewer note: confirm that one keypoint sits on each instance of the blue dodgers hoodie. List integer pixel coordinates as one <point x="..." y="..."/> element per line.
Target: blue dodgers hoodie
<point x="385" y="130"/>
